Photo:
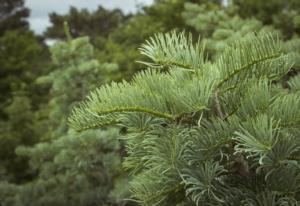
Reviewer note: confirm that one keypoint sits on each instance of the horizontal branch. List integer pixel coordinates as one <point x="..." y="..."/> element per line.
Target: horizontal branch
<point x="96" y="125"/>
<point x="137" y="109"/>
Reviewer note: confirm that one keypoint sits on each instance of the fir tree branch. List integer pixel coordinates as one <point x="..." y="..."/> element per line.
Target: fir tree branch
<point x="82" y="128"/>
<point x="235" y="72"/>
<point x="137" y="109"/>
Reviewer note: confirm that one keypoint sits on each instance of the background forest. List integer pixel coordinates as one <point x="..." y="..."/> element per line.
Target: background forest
<point x="44" y="161"/>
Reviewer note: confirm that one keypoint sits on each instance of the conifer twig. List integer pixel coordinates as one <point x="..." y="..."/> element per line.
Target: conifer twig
<point x="218" y="107"/>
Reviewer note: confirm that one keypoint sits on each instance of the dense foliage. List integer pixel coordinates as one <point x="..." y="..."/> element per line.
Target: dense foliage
<point x="12" y="15"/>
<point x="207" y="133"/>
<point x="186" y="102"/>
<point x="100" y="23"/>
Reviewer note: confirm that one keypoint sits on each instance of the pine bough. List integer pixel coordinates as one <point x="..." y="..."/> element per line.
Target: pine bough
<point x="206" y="133"/>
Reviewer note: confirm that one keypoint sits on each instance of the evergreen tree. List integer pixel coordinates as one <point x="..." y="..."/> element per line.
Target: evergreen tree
<point x="18" y="59"/>
<point x="22" y="55"/>
<point x="283" y="14"/>
<point x="67" y="168"/>
<point x="13" y="15"/>
<point x="19" y="112"/>
<point x="74" y="169"/>
<point x="18" y="69"/>
<point x="201" y="132"/>
<point x="76" y="72"/>
<point x="220" y="26"/>
<point x="99" y="23"/>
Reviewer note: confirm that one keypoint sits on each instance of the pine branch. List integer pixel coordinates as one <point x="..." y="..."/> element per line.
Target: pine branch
<point x="245" y="67"/>
<point x="174" y="49"/>
<point x="169" y="96"/>
<point x="137" y="109"/>
<point x="255" y="56"/>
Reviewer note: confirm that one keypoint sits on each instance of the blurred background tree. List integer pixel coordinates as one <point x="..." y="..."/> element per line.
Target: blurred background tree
<point x="22" y="58"/>
<point x="68" y="168"/>
<point x="283" y="14"/>
<point x="99" y="23"/>
<point x="13" y="15"/>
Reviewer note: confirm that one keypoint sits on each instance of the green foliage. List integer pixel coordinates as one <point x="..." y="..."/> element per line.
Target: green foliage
<point x="122" y="44"/>
<point x="18" y="112"/>
<point x="12" y="15"/>
<point x="181" y="53"/>
<point x="72" y="170"/>
<point x="116" y="36"/>
<point x="293" y="45"/>
<point x="18" y="56"/>
<point x="80" y="73"/>
<point x="283" y="14"/>
<point x="99" y="23"/>
<point x="210" y="121"/>
<point x="168" y="12"/>
<point x="182" y="88"/>
<point x="206" y="133"/>
<point x="220" y="26"/>
<point x="67" y="168"/>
